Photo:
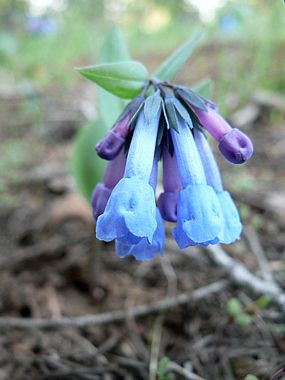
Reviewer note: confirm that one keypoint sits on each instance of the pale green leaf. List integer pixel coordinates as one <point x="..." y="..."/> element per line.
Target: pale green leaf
<point x="113" y="49"/>
<point x="172" y="65"/>
<point x="234" y="307"/>
<point x="124" y="79"/>
<point x="263" y="301"/>
<point x="163" y="366"/>
<point x="251" y="377"/>
<point x="243" y="319"/>
<point x="87" y="168"/>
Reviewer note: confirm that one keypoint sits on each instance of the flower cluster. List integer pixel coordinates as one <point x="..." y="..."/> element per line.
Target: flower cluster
<point x="167" y="122"/>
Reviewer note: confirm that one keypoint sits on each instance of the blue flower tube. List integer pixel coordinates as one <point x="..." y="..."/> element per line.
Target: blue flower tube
<point x="130" y="214"/>
<point x="145" y="250"/>
<point x="199" y="214"/>
<point x="232" y="226"/>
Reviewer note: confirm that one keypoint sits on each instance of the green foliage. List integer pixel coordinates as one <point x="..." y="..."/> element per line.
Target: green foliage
<point x="163" y="368"/>
<point x="236" y="310"/>
<point x="114" y="49"/>
<point x="124" y="79"/>
<point x="234" y="307"/>
<point x="172" y="65"/>
<point x="87" y="168"/>
<point x="263" y="302"/>
<point x="240" y="315"/>
<point x="251" y="377"/>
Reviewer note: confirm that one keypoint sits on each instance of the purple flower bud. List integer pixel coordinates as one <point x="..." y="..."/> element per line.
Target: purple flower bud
<point x="167" y="204"/>
<point x="167" y="201"/>
<point x="100" y="197"/>
<point x="109" y="147"/>
<point x="213" y="122"/>
<point x="102" y="191"/>
<point x="236" y="146"/>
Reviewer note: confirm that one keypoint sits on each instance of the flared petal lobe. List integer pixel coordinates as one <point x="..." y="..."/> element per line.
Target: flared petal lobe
<point x="232" y="226"/>
<point x="130" y="210"/>
<point x="144" y="250"/>
<point x="199" y="216"/>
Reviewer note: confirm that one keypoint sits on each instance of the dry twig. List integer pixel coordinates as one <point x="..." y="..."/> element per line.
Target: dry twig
<point x="259" y="253"/>
<point x="113" y="316"/>
<point x="240" y="275"/>
<point x="184" y="372"/>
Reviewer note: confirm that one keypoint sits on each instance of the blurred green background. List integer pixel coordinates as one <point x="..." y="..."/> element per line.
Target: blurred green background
<point x="41" y="41"/>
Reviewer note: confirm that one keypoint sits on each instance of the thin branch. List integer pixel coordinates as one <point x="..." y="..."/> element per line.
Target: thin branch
<point x="239" y="274"/>
<point x="113" y="316"/>
<point x="184" y="372"/>
<point x="155" y="346"/>
<point x="259" y="253"/>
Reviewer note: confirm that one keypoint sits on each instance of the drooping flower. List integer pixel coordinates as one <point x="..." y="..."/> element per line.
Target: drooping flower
<point x="167" y="123"/>
<point x="232" y="226"/>
<point x="130" y="214"/>
<point x="144" y="250"/>
<point x="199" y="214"/>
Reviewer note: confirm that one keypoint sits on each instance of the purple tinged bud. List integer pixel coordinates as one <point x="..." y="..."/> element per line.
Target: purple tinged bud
<point x="213" y="122"/>
<point x="109" y="147"/>
<point x="100" y="197"/>
<point x="167" y="201"/>
<point x="236" y="147"/>
<point x="102" y="191"/>
<point x="167" y="204"/>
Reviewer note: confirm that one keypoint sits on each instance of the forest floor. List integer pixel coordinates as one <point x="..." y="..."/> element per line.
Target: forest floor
<point x="52" y="266"/>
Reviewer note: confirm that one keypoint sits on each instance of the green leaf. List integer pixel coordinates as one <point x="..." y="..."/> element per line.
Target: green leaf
<point x="124" y="79"/>
<point x="87" y="168"/>
<point x="204" y="88"/>
<point x="152" y="106"/>
<point x="251" y="377"/>
<point x="243" y="319"/>
<point x="113" y="49"/>
<point x="163" y="366"/>
<point x="234" y="307"/>
<point x="169" y="68"/>
<point x="263" y="301"/>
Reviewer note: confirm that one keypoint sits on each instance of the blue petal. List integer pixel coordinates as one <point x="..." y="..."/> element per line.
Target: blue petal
<point x="130" y="213"/>
<point x="232" y="225"/>
<point x="199" y="216"/>
<point x="144" y="250"/>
